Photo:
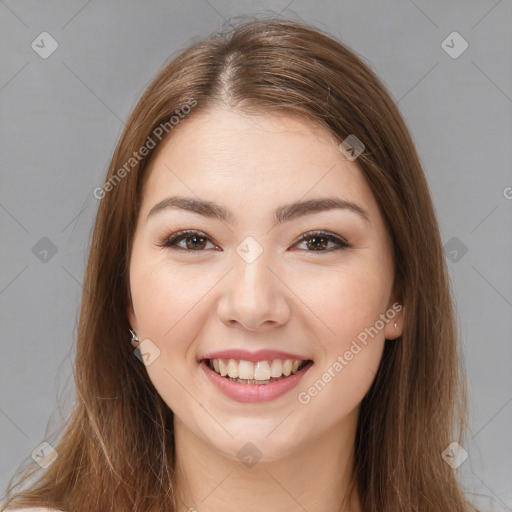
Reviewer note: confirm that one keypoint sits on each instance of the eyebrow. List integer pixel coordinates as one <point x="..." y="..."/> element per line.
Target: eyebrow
<point x="282" y="214"/>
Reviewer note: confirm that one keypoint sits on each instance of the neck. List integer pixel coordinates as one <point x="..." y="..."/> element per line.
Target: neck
<point x="314" y="477"/>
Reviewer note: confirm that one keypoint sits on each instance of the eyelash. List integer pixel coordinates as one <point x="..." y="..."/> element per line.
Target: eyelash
<point x="171" y="240"/>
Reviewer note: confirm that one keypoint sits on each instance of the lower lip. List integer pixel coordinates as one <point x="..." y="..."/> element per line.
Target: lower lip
<point x="254" y="392"/>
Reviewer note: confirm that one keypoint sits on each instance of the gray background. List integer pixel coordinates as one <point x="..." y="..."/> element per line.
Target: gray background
<point x="61" y="118"/>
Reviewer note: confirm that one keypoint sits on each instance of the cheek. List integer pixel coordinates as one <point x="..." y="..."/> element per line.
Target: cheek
<point x="169" y="304"/>
<point x="152" y="303"/>
<point x="352" y="346"/>
<point x="163" y="295"/>
<point x="165" y="301"/>
<point x="343" y="383"/>
<point x="347" y="299"/>
<point x="350" y="303"/>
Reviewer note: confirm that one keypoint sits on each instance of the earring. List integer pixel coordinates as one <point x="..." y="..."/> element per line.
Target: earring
<point x="396" y="325"/>
<point x="135" y="336"/>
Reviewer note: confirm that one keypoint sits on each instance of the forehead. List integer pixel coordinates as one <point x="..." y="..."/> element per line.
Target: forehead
<point x="251" y="161"/>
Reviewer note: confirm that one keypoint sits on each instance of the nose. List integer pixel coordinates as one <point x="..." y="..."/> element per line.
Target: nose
<point x="254" y="295"/>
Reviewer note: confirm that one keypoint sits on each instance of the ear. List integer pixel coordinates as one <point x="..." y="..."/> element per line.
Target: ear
<point x="132" y="320"/>
<point x="395" y="315"/>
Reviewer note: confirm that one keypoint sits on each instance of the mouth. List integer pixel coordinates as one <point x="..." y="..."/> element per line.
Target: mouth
<point x="267" y="371"/>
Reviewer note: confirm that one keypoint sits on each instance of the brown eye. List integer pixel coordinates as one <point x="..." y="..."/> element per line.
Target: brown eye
<point x="194" y="241"/>
<point x="318" y="241"/>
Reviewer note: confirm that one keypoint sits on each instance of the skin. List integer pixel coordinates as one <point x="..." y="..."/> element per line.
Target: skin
<point x="291" y="298"/>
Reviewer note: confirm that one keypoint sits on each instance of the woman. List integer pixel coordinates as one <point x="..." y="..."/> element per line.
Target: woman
<point x="267" y="237"/>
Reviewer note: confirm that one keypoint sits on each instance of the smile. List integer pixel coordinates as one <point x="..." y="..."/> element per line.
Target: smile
<point x="260" y="381"/>
<point x="260" y="372"/>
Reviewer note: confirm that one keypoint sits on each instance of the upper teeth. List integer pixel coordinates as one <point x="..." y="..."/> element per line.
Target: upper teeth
<point x="262" y="370"/>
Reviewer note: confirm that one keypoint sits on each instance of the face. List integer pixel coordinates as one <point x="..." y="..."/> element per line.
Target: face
<point x="245" y="279"/>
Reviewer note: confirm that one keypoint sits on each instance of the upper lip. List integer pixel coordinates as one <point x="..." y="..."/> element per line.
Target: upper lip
<point x="259" y="355"/>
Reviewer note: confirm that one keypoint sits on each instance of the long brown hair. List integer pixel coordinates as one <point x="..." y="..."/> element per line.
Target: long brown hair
<point x="116" y="451"/>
